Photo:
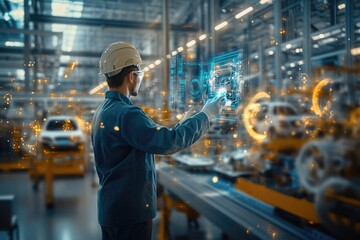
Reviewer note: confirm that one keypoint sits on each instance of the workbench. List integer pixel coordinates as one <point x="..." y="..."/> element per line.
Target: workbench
<point x="237" y="214"/>
<point x="55" y="164"/>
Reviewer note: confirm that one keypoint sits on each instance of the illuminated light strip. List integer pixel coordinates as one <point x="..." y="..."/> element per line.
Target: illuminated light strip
<point x="243" y="13"/>
<point x="174" y="53"/>
<point x="265" y="1"/>
<point x="97" y="88"/>
<point x="180" y="49"/>
<point x="341" y="6"/>
<point x="250" y="111"/>
<point x="321" y="36"/>
<point x="14" y="44"/>
<point x="191" y="43"/>
<point x="355" y="51"/>
<point x="316" y="96"/>
<point x="157" y="62"/>
<point x="221" y="25"/>
<point x="202" y="37"/>
<point x="151" y="66"/>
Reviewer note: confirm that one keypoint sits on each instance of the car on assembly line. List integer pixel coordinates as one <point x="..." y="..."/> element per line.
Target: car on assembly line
<point x="278" y="119"/>
<point x="61" y="133"/>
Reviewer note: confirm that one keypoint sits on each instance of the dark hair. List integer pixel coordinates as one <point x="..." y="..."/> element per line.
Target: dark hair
<point x="118" y="79"/>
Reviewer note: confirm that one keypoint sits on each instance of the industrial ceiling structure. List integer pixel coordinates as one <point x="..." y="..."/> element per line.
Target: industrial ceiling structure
<point x="65" y="34"/>
<point x="53" y="46"/>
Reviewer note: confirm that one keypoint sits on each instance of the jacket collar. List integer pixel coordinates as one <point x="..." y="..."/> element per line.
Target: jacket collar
<point x="117" y="96"/>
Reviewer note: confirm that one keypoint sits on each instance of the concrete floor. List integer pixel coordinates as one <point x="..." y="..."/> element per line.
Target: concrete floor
<point x="74" y="216"/>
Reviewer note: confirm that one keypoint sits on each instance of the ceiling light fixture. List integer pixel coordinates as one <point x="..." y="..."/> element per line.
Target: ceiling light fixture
<point x="221" y="25"/>
<point x="202" y="37"/>
<point x="191" y="43"/>
<point x="243" y="13"/>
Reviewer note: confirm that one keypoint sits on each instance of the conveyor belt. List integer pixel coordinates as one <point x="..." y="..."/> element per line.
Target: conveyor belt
<point x="234" y="215"/>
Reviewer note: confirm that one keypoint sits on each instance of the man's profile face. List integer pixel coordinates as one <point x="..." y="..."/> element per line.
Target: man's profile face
<point x="137" y="76"/>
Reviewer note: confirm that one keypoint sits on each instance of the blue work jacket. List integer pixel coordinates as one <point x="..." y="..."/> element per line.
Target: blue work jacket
<point x="125" y="140"/>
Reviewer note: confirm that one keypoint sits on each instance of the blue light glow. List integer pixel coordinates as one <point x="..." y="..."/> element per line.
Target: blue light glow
<point x="225" y="77"/>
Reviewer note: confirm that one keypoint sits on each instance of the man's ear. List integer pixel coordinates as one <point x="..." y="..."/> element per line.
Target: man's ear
<point x="129" y="78"/>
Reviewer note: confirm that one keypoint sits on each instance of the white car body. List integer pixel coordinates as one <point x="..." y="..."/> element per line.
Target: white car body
<point x="61" y="132"/>
<point x="278" y="119"/>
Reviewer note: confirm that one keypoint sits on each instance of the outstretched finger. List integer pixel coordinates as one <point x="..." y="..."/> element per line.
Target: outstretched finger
<point x="221" y="98"/>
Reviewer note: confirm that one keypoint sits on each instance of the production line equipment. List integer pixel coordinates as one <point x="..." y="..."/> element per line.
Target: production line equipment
<point x="309" y="177"/>
<point x="296" y="164"/>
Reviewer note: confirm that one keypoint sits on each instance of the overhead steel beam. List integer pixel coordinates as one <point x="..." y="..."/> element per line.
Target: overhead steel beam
<point x="16" y="64"/>
<point x="67" y="99"/>
<point x="109" y="23"/>
<point x="20" y="50"/>
<point x="32" y="32"/>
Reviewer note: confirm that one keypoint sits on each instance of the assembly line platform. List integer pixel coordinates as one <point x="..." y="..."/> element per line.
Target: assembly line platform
<point x="237" y="214"/>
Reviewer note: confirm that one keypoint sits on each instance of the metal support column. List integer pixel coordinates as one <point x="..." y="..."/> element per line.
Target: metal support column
<point x="206" y="27"/>
<point x="201" y="53"/>
<point x="349" y="44"/>
<point x="26" y="47"/>
<point x="307" y="37"/>
<point x="213" y="17"/>
<point x="278" y="53"/>
<point x="166" y="65"/>
<point x="37" y="46"/>
<point x="262" y="70"/>
<point x="247" y="52"/>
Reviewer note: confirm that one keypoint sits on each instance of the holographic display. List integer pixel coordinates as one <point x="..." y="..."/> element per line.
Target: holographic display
<point x="188" y="83"/>
<point x="224" y="77"/>
<point x="177" y="83"/>
<point x="195" y="90"/>
<point x="193" y="83"/>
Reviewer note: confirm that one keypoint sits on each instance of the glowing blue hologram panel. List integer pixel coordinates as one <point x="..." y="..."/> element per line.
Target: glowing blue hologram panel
<point x="224" y="77"/>
<point x="177" y="83"/>
<point x="195" y="90"/>
<point x="192" y="83"/>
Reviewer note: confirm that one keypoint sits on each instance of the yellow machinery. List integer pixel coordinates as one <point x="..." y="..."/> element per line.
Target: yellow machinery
<point x="327" y="163"/>
<point x="299" y="207"/>
<point x="57" y="164"/>
<point x="167" y="204"/>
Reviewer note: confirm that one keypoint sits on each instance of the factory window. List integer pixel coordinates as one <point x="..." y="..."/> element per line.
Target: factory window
<point x="58" y="125"/>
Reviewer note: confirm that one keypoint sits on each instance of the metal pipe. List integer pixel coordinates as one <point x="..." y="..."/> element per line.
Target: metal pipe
<point x="213" y="17"/>
<point x="26" y="47"/>
<point x="166" y="67"/>
<point x="278" y="53"/>
<point x="307" y="37"/>
<point x="349" y="44"/>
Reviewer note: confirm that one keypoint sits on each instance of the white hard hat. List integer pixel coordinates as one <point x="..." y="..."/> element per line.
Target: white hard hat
<point x="117" y="56"/>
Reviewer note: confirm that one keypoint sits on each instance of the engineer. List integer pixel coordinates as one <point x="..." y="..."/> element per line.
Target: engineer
<point x="125" y="140"/>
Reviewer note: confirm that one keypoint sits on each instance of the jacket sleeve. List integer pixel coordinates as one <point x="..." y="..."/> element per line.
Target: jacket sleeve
<point x="143" y="134"/>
